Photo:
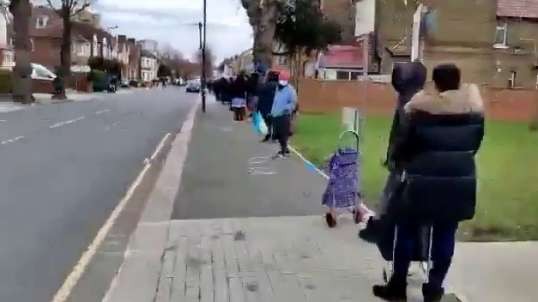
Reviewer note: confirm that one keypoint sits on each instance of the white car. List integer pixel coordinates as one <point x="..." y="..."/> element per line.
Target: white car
<point x="40" y="72"/>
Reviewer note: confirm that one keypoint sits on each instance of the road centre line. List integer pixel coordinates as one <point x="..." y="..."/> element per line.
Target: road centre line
<point x="102" y="111"/>
<point x="159" y="147"/>
<point x="12" y="140"/>
<point x="65" y="123"/>
<point x="71" y="281"/>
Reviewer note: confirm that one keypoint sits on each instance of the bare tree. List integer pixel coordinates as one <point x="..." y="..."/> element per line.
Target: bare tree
<point x="22" y="73"/>
<point x="67" y="9"/>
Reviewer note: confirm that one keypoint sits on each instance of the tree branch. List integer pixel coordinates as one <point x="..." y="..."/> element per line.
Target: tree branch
<point x="82" y="8"/>
<point x="58" y="12"/>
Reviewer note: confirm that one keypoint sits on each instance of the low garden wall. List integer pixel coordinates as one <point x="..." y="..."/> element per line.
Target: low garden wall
<point x="317" y="96"/>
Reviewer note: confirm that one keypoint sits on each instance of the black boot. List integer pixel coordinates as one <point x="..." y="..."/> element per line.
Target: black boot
<point x="331" y="222"/>
<point x="393" y="291"/>
<point x="372" y="232"/>
<point x="432" y="293"/>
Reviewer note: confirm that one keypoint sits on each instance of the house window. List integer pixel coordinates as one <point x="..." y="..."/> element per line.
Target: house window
<point x="282" y="60"/>
<point x="355" y="75"/>
<point x="342" y="75"/>
<point x="501" y="36"/>
<point x="32" y="45"/>
<point x="42" y="21"/>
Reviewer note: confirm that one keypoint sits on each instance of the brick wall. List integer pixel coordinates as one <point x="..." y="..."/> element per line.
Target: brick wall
<point x="42" y="86"/>
<point x="464" y="35"/>
<point x="79" y="82"/>
<point x="328" y="96"/>
<point x="46" y="52"/>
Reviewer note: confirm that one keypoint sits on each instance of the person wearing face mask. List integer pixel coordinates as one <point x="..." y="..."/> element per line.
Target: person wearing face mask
<point x="284" y="103"/>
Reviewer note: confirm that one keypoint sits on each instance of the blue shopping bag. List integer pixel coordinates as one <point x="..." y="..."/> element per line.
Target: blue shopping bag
<point x="259" y="124"/>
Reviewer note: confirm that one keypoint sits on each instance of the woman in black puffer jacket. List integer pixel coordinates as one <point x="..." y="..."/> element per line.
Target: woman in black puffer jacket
<point x="436" y="151"/>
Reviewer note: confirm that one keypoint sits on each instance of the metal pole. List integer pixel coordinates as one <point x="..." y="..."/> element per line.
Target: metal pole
<point x="200" y="28"/>
<point x="366" y="62"/>
<point x="204" y="79"/>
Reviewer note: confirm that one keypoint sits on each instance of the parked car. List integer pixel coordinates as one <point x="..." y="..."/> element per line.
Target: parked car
<point x="40" y="72"/>
<point x="125" y="84"/>
<point x="193" y="87"/>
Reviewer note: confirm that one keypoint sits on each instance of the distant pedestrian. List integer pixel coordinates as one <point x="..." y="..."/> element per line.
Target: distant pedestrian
<point x="239" y="98"/>
<point x="266" y="97"/>
<point x="217" y="89"/>
<point x="252" y="89"/>
<point x="284" y="103"/>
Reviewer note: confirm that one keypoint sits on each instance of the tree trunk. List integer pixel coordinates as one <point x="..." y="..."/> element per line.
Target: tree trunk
<point x="65" y="55"/>
<point x="262" y="17"/>
<point x="65" y="52"/>
<point x="22" y="73"/>
<point x="265" y="33"/>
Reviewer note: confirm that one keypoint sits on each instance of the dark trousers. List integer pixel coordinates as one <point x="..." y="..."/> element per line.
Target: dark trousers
<point x="239" y="113"/>
<point x="281" y="127"/>
<point x="269" y="122"/>
<point x="444" y="240"/>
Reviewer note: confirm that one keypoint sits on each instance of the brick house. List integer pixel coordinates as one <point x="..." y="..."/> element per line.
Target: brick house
<point x="46" y="29"/>
<point x="45" y="37"/>
<point x="341" y="62"/>
<point x="494" y="42"/>
<point x="7" y="56"/>
<point x="121" y="53"/>
<point x="148" y="66"/>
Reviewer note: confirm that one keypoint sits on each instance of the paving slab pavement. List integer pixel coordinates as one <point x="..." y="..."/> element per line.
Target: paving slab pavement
<point x="229" y="173"/>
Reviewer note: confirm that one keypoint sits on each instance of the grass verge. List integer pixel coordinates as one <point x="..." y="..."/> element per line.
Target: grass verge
<point x="507" y="167"/>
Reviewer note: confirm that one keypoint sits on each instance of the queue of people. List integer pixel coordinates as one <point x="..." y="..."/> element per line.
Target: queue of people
<point x="434" y="138"/>
<point x="270" y="94"/>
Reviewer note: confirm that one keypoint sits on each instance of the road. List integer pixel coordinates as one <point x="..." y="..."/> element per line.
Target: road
<point x="64" y="169"/>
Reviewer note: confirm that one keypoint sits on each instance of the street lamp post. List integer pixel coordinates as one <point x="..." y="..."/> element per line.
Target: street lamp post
<point x="204" y="71"/>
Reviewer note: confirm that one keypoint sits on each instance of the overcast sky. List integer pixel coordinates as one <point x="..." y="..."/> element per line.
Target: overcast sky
<point x="173" y="22"/>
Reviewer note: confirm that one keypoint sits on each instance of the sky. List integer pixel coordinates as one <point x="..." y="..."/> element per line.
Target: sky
<point x="173" y="22"/>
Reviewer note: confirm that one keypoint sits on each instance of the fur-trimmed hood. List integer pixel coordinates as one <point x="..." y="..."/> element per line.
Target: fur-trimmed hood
<point x="465" y="100"/>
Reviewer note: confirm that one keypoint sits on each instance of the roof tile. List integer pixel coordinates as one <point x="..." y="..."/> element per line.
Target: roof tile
<point x="342" y="56"/>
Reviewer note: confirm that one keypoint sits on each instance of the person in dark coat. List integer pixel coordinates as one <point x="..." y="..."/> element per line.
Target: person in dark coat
<point x="239" y="97"/>
<point x="252" y="89"/>
<point x="227" y="91"/>
<point x="407" y="80"/>
<point x="266" y="96"/>
<point x="436" y="151"/>
<point x="218" y="88"/>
